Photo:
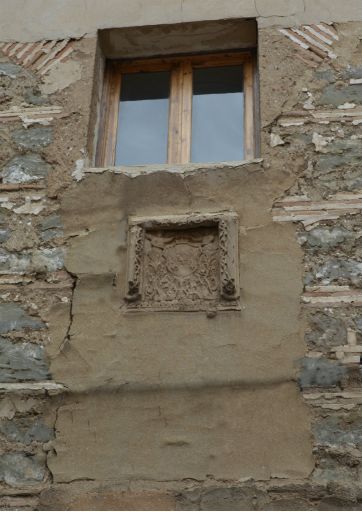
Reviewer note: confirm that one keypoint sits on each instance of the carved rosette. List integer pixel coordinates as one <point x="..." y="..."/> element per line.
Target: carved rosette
<point x="183" y="263"/>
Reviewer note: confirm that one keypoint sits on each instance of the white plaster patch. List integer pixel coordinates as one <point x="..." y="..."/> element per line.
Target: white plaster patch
<point x="7" y="409"/>
<point x="33" y="205"/>
<point x="346" y="106"/>
<point x="78" y="172"/>
<point x="320" y="142"/>
<point x="18" y="176"/>
<point x="29" y="208"/>
<point x="308" y="105"/>
<point x="61" y="76"/>
<point x="48" y="386"/>
<point x="6" y="203"/>
<point x="276" y="140"/>
<point x="27" y="121"/>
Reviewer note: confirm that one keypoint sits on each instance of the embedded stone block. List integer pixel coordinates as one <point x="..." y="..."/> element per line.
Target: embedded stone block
<point x="33" y="138"/>
<point x="25" y="168"/>
<point x="22" y="361"/>
<point x="182" y="263"/>
<point x="14" y="318"/>
<point x="25" y="430"/>
<point x="18" y="469"/>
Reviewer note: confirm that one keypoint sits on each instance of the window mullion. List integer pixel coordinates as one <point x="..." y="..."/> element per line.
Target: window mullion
<point x="186" y="111"/>
<point x="175" y="119"/>
<point x="248" y="110"/>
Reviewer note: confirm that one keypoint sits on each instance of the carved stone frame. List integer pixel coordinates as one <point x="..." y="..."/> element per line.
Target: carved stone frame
<point x="227" y="225"/>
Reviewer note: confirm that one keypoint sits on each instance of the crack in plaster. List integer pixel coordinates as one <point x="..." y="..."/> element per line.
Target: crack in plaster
<point x="67" y="336"/>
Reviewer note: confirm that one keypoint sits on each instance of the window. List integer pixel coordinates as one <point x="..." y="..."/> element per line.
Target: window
<point x="198" y="108"/>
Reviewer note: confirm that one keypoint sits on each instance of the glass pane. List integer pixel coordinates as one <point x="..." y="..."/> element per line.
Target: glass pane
<point x="143" y="119"/>
<point x="217" y="114"/>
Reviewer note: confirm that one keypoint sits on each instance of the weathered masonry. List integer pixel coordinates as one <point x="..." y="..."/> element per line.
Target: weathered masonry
<point x="181" y="335"/>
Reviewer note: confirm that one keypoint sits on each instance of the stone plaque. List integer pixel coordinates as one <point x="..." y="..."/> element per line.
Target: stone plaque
<point x="183" y="263"/>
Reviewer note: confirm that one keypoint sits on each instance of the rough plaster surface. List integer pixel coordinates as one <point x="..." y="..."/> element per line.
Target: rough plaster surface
<point x="61" y="76"/>
<point x="111" y="348"/>
<point x="196" y="350"/>
<point x="38" y="19"/>
<point x="219" y="433"/>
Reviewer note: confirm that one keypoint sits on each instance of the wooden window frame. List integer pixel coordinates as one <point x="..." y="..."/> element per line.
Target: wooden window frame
<point x="180" y="101"/>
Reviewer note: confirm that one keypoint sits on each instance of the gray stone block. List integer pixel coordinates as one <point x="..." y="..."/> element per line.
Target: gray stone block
<point x="14" y="263"/>
<point x="326" y="238"/>
<point x="26" y="430"/>
<point x="230" y="498"/>
<point x="53" y="221"/>
<point x="358" y="323"/>
<point x="320" y="372"/>
<point x="352" y="72"/>
<point x="33" y="138"/>
<point x="333" y="95"/>
<point x="48" y="259"/>
<point x="51" y="227"/>
<point x="327" y="75"/>
<point x="18" y="469"/>
<point x="22" y="361"/>
<point x="14" y="318"/>
<point x="334" y="430"/>
<point x="50" y="234"/>
<point x="342" y="153"/>
<point x="9" y="69"/>
<point x="33" y="96"/>
<point x="25" y="168"/>
<point x="4" y="234"/>
<point x="290" y="503"/>
<point x="327" y="331"/>
<point x="41" y="260"/>
<point x="347" y="271"/>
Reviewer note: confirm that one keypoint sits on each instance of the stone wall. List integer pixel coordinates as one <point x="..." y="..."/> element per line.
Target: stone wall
<point x="319" y="127"/>
<point x="262" y="410"/>
<point x="44" y="119"/>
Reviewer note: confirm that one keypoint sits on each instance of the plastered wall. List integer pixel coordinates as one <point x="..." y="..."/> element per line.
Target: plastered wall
<point x="37" y="19"/>
<point x="257" y="407"/>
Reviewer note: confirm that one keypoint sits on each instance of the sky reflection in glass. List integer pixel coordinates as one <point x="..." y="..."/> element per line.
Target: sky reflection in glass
<point x="217" y="114"/>
<point x="143" y="119"/>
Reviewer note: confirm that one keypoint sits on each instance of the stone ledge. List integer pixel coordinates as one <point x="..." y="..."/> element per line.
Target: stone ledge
<point x="39" y="387"/>
<point x="132" y="171"/>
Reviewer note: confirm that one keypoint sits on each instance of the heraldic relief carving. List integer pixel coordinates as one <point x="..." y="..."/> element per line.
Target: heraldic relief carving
<point x="183" y="263"/>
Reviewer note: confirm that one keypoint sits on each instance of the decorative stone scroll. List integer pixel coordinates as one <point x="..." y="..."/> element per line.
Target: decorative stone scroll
<point x="183" y="263"/>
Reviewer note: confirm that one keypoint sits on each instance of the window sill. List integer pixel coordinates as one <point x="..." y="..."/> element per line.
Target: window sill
<point x="133" y="171"/>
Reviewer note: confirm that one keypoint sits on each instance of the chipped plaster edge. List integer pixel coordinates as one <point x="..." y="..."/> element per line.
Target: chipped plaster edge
<point x="180" y="169"/>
